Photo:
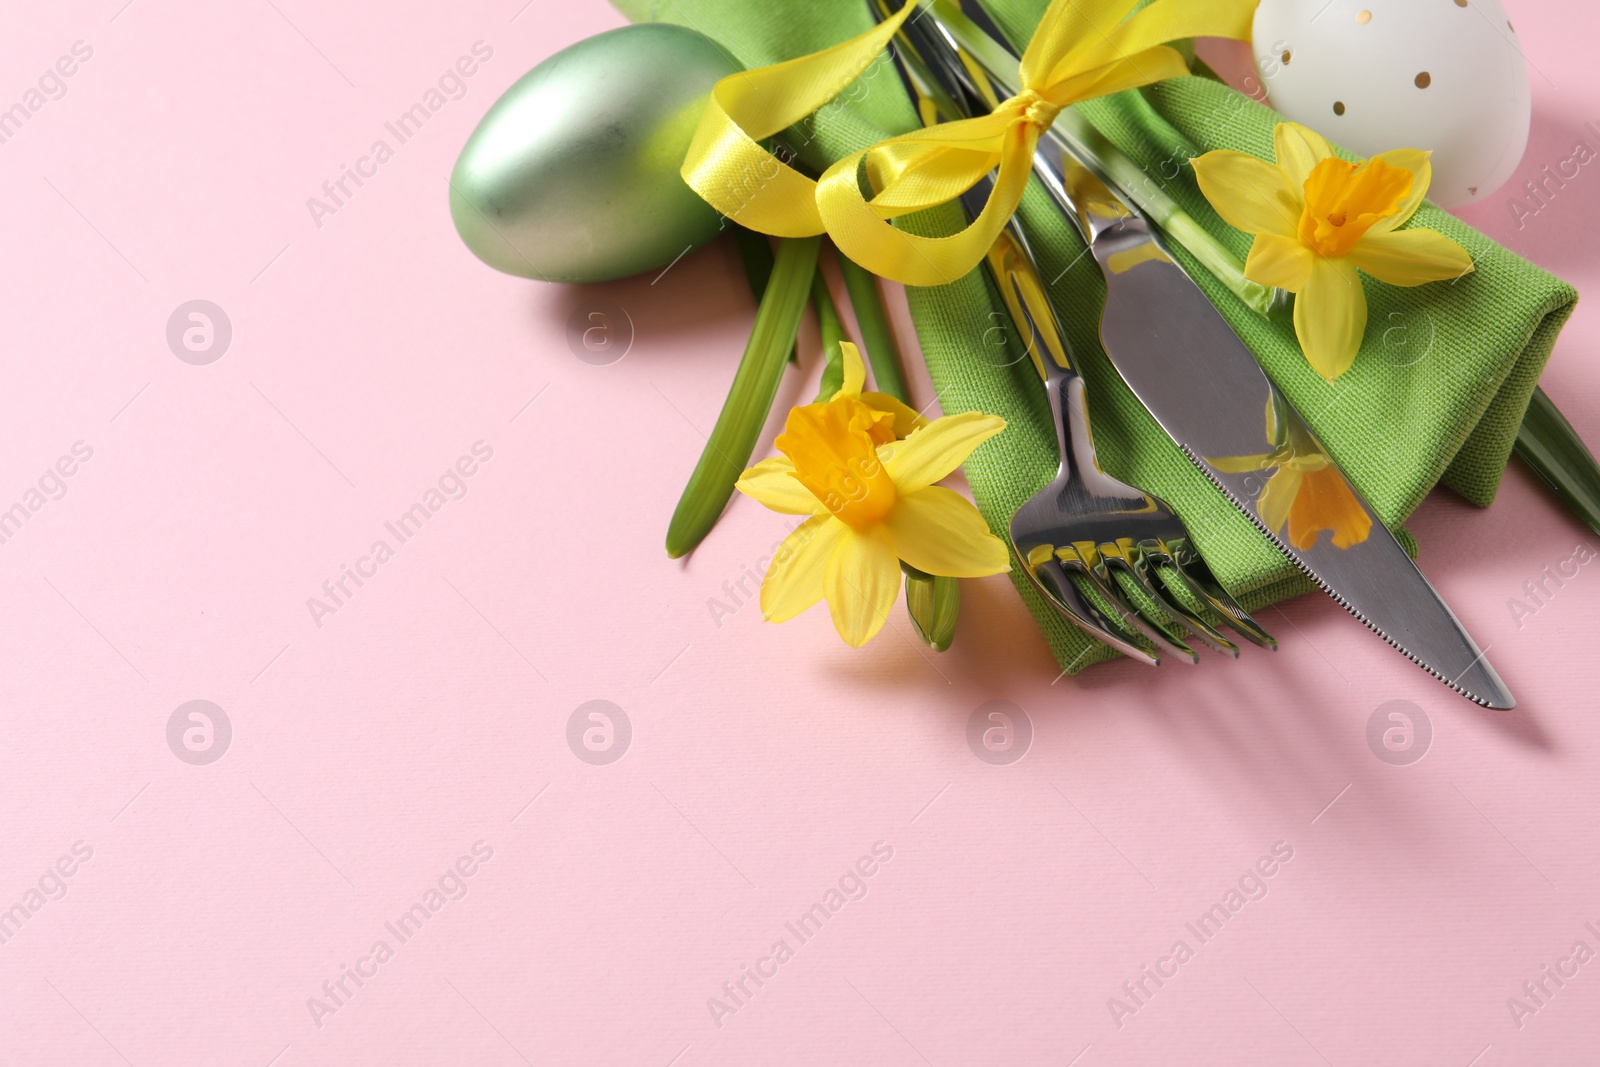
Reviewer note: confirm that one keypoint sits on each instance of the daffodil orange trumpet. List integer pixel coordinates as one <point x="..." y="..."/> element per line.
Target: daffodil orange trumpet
<point x="1306" y="493"/>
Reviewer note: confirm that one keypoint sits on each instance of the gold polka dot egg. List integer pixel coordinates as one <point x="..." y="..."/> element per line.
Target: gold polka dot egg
<point x="1373" y="75"/>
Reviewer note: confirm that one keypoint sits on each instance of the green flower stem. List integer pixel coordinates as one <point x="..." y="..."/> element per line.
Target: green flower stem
<point x="755" y="387"/>
<point x="1095" y="150"/>
<point x="832" y="331"/>
<point x="882" y="351"/>
<point x="1553" y="449"/>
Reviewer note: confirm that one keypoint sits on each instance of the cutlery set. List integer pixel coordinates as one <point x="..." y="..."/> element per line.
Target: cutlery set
<point x="1112" y="558"/>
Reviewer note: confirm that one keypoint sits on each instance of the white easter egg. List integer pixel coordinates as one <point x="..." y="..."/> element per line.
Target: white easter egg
<point x="1374" y="75"/>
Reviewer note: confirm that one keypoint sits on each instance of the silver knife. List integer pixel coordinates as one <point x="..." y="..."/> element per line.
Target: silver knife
<point x="1206" y="390"/>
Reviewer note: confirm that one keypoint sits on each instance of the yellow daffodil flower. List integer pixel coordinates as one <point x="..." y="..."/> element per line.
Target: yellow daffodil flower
<point x="1317" y="220"/>
<point x="1308" y="494"/>
<point x="872" y="503"/>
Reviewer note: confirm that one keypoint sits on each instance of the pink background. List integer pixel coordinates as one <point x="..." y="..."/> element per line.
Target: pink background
<point x="430" y="711"/>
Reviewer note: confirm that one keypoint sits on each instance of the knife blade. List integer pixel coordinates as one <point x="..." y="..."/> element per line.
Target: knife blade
<point x="1205" y="388"/>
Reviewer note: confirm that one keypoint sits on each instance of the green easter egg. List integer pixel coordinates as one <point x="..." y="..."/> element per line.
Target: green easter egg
<point x="572" y="176"/>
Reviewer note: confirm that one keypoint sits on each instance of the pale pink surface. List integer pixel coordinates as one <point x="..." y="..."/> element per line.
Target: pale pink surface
<point x="372" y="752"/>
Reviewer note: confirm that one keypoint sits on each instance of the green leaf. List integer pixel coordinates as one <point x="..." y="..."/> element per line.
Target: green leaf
<point x="755" y="255"/>
<point x="1558" y="455"/>
<point x="755" y="387"/>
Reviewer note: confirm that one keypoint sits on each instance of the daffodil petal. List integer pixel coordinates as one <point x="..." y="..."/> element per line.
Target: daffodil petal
<point x="1298" y="150"/>
<point x="855" y="372"/>
<point x="938" y="531"/>
<point x="1279" y="261"/>
<point x="795" y="578"/>
<point x="862" y="583"/>
<point x="1421" y="167"/>
<point x="939" y="448"/>
<point x="773" y="484"/>
<point x="1250" y="194"/>
<point x="1410" y="257"/>
<point x="1330" y="317"/>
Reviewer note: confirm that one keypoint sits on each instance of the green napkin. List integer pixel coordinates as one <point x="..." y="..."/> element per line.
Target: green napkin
<point x="1437" y="394"/>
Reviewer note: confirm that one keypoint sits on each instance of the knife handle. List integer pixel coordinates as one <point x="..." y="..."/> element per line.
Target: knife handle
<point x="1078" y="191"/>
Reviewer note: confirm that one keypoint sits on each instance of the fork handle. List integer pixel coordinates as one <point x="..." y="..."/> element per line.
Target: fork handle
<point x="1069" y="409"/>
<point x="1016" y="274"/>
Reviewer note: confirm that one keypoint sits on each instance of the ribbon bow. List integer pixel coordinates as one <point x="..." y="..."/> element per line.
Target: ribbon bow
<point x="1082" y="49"/>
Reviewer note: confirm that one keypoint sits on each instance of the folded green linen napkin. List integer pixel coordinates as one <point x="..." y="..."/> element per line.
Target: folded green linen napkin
<point x="1437" y="393"/>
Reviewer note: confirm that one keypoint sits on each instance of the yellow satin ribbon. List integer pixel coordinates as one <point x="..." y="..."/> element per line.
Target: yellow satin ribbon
<point x="1082" y="49"/>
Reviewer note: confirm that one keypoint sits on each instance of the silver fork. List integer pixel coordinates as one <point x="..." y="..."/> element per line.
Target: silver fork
<point x="1085" y="532"/>
<point x="1086" y="524"/>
